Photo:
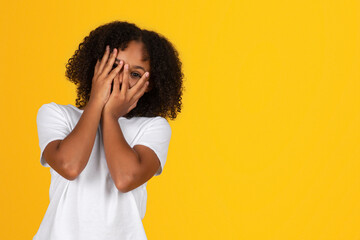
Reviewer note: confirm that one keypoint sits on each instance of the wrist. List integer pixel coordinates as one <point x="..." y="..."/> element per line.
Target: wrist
<point x="95" y="104"/>
<point x="108" y="116"/>
<point x="108" y="119"/>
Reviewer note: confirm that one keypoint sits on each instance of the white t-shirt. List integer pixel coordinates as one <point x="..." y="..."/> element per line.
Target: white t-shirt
<point x="91" y="207"/>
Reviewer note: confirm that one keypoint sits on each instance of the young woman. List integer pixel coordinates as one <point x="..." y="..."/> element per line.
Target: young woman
<point x="103" y="151"/>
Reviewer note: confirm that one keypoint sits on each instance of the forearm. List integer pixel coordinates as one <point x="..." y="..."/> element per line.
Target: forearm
<point x="121" y="159"/>
<point x="76" y="148"/>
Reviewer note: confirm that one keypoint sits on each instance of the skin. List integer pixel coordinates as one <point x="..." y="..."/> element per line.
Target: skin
<point x="129" y="167"/>
<point x="132" y="55"/>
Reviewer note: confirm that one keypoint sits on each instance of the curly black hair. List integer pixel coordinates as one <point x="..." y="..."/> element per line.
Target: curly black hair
<point x="166" y="76"/>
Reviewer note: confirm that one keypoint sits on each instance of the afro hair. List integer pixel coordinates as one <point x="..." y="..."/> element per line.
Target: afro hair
<point x="166" y="77"/>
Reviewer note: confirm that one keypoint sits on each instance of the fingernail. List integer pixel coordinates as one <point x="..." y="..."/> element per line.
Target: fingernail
<point x="107" y="47"/>
<point x="126" y="66"/>
<point x="147" y="74"/>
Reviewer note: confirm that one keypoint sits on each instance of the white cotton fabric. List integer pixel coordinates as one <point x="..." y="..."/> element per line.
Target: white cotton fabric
<point x="91" y="207"/>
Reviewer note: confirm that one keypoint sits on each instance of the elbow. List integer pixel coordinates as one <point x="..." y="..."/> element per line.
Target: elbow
<point x="126" y="180"/>
<point x="70" y="172"/>
<point x="65" y="165"/>
<point x="124" y="184"/>
<point x="71" y="175"/>
<point x="122" y="188"/>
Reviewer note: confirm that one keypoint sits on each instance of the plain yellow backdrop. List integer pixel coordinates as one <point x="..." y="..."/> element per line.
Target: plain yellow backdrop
<point x="267" y="144"/>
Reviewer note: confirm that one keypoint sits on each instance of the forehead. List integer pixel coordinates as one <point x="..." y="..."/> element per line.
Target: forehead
<point x="134" y="54"/>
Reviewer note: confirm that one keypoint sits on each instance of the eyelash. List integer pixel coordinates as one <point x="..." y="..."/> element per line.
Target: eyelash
<point x="139" y="76"/>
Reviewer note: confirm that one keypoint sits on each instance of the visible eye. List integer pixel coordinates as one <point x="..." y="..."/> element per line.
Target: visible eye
<point x="136" y="74"/>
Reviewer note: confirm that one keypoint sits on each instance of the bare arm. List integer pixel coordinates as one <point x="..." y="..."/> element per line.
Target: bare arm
<point x="69" y="156"/>
<point x="129" y="167"/>
<point x="122" y="160"/>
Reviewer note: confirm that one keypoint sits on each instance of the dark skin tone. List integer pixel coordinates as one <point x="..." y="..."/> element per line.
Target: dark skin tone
<point x="129" y="167"/>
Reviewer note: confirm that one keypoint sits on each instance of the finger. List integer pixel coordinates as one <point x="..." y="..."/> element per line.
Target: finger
<point x="125" y="81"/>
<point x="139" y="85"/>
<point x="116" y="86"/>
<point x="104" y="59"/>
<point x="115" y="71"/>
<point x="132" y="106"/>
<point x="119" y="79"/>
<point x="109" y="63"/>
<point x="141" y="92"/>
<point x="96" y="67"/>
<point x="118" y="58"/>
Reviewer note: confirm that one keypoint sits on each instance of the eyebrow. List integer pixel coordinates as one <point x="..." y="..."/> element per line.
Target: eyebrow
<point x="137" y="66"/>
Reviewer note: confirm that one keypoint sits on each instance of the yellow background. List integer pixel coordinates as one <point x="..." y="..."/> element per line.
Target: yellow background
<point x="267" y="145"/>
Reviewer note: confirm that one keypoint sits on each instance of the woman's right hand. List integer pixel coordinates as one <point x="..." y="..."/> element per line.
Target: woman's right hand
<point x="102" y="80"/>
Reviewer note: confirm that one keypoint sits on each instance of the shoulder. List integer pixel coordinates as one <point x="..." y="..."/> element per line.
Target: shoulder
<point x="52" y="109"/>
<point x="160" y="123"/>
<point x="55" y="107"/>
<point x="146" y="121"/>
<point x="150" y="124"/>
<point x="48" y="107"/>
<point x="158" y="120"/>
<point x="51" y="105"/>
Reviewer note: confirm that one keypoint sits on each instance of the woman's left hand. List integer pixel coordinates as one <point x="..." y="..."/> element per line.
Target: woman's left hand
<point x="122" y="101"/>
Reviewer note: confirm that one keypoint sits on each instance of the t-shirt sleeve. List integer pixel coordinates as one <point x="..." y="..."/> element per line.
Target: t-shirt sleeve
<point x="157" y="137"/>
<point x="51" y="125"/>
